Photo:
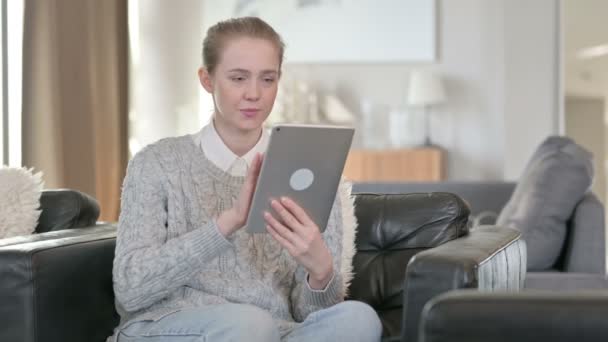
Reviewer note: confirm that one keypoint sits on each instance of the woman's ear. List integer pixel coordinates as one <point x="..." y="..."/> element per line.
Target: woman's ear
<point x="205" y="79"/>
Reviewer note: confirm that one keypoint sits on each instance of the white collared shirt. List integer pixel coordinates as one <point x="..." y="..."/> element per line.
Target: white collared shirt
<point x="219" y="154"/>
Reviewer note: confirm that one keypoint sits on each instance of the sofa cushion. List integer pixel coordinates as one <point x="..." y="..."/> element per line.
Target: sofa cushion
<point x="555" y="179"/>
<point x="392" y="228"/>
<point x="65" y="209"/>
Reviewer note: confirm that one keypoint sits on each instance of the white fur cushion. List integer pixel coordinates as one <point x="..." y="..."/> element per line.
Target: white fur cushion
<point x="349" y="231"/>
<point x="19" y="201"/>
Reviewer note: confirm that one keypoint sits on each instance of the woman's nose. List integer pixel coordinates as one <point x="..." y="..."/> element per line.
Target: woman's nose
<point x="252" y="92"/>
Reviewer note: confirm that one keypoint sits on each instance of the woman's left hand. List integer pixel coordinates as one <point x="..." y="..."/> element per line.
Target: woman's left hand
<point x="302" y="239"/>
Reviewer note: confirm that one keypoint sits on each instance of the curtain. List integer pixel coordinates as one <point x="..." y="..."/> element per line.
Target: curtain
<point x="75" y="96"/>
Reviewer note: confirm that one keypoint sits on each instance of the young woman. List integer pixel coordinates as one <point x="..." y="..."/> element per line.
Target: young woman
<point x="184" y="269"/>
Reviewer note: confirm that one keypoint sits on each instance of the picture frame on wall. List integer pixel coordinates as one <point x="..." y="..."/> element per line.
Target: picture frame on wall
<point x="342" y="31"/>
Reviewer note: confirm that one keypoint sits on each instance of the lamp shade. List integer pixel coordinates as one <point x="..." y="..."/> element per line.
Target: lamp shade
<point x="425" y="88"/>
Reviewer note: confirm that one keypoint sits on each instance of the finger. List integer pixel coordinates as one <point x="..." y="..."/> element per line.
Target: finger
<point x="290" y="220"/>
<point x="281" y="240"/>
<point x="248" y="187"/>
<point x="285" y="232"/>
<point x="297" y="211"/>
<point x="256" y="164"/>
<point x="254" y="169"/>
<point x="253" y="172"/>
<point x="260" y="160"/>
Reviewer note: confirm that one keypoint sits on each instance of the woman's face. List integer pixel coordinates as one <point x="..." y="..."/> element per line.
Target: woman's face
<point x="244" y="83"/>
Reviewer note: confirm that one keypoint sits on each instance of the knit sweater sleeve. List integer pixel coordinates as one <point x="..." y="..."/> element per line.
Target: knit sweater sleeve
<point x="147" y="265"/>
<point x="305" y="300"/>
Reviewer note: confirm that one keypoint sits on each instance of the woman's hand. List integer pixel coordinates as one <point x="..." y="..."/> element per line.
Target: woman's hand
<point x="235" y="218"/>
<point x="302" y="239"/>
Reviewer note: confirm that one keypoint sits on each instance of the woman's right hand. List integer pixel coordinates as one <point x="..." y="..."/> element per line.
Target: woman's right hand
<point x="235" y="218"/>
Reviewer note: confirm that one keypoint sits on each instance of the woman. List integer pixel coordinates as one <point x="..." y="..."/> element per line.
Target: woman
<point x="184" y="269"/>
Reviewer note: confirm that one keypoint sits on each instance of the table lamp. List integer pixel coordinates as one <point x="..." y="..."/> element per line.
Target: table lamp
<point x="425" y="90"/>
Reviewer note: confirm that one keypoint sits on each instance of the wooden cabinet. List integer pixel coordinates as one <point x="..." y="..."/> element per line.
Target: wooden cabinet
<point x="413" y="164"/>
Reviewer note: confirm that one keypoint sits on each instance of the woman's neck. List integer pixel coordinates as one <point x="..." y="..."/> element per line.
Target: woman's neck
<point x="239" y="142"/>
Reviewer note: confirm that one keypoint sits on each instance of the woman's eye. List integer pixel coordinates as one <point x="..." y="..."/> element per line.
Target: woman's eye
<point x="269" y="80"/>
<point x="237" y="78"/>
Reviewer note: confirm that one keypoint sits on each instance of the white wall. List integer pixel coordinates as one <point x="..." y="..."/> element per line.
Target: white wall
<point x="164" y="84"/>
<point x="531" y="97"/>
<point x="469" y="125"/>
<point x="497" y="57"/>
<point x="498" y="60"/>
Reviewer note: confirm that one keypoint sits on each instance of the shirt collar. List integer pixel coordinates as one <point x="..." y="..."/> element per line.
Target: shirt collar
<point x="219" y="154"/>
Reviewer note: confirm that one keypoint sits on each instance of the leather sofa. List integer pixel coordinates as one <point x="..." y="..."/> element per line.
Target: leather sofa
<point x="58" y="281"/>
<point x="527" y="316"/>
<point x="57" y="286"/>
<point x="582" y="263"/>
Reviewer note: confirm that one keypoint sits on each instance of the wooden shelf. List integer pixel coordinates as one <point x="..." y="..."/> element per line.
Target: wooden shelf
<point x="413" y="164"/>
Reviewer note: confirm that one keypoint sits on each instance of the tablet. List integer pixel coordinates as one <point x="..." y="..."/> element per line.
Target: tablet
<point x="305" y="163"/>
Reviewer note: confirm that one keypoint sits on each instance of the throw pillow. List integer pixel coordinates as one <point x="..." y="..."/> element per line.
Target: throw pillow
<point x="349" y="224"/>
<point x="555" y="179"/>
<point x="19" y="201"/>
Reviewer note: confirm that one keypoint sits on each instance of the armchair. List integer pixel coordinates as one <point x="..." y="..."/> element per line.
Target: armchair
<point x="582" y="263"/>
<point x="410" y="248"/>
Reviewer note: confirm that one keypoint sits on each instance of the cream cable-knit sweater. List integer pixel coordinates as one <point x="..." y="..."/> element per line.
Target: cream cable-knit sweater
<point x="170" y="254"/>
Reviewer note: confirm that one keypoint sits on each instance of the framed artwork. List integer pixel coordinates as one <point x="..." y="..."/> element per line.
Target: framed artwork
<point x="342" y="31"/>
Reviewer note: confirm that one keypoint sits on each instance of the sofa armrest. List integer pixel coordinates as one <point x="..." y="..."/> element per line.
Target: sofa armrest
<point x="488" y="258"/>
<point x="585" y="250"/>
<point x="467" y="315"/>
<point x="58" y="289"/>
<point x="56" y="234"/>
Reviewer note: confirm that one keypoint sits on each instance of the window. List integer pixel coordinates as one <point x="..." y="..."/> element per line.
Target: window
<point x="11" y="23"/>
<point x="164" y="56"/>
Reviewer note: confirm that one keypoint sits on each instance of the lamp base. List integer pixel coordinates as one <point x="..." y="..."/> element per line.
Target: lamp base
<point x="428" y="143"/>
<point x="427" y="128"/>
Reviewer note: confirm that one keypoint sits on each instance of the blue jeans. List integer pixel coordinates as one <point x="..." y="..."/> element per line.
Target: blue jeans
<point x="348" y="321"/>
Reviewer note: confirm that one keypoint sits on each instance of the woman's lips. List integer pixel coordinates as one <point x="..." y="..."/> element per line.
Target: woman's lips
<point x="250" y="112"/>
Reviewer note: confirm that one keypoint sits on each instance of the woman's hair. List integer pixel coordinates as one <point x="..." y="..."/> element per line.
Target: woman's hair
<point x="219" y="34"/>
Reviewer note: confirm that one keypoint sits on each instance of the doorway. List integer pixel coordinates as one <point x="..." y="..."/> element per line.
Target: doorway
<point x="585" y="77"/>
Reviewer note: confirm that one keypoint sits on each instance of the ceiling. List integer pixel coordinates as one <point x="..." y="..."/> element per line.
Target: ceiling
<point x="585" y="25"/>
